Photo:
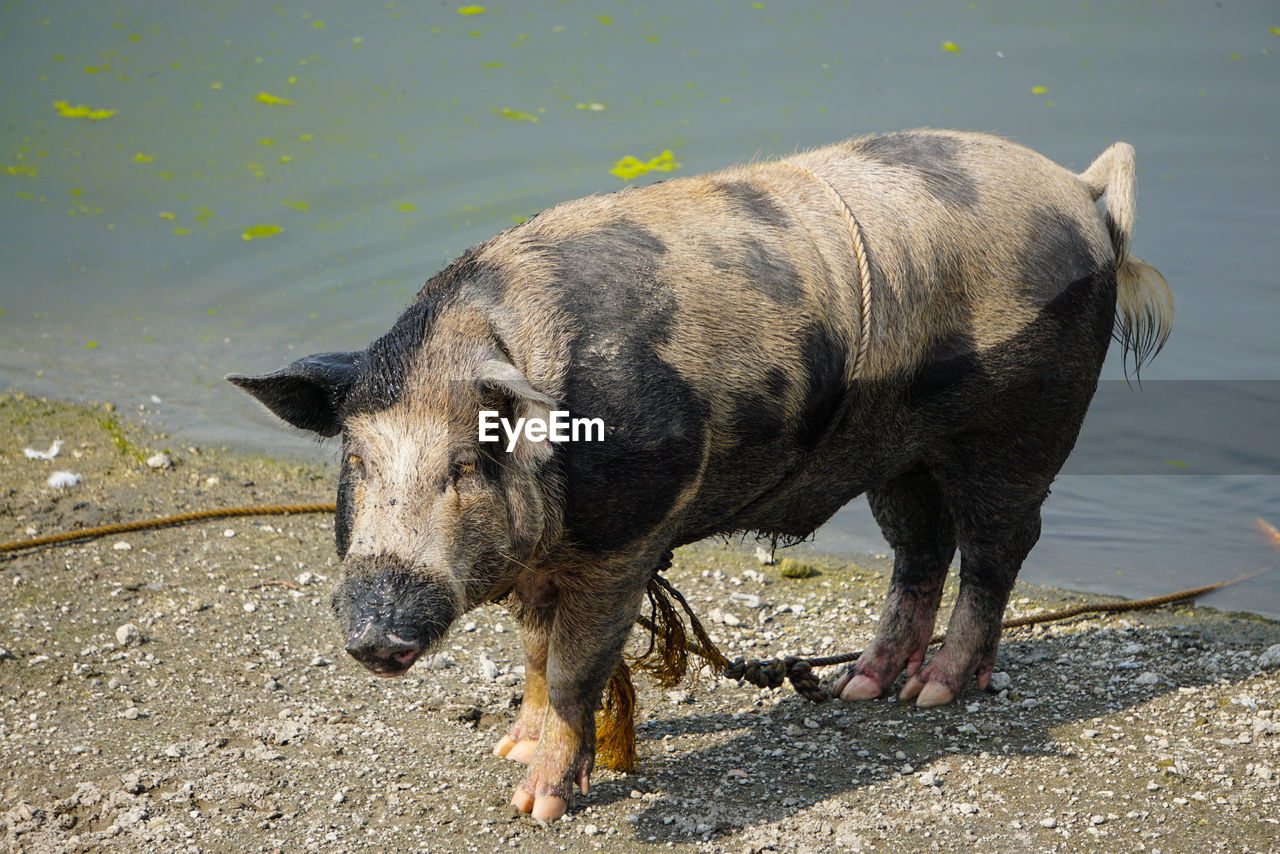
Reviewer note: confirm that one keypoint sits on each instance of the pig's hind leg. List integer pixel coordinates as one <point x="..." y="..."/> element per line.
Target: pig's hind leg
<point x="913" y="517"/>
<point x="594" y="612"/>
<point x="989" y="563"/>
<point x="994" y="477"/>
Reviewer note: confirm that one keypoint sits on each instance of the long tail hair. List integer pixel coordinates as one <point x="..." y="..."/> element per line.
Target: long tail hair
<point x="1144" y="302"/>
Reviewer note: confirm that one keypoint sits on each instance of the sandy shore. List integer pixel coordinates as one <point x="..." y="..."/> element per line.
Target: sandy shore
<point x="185" y="690"/>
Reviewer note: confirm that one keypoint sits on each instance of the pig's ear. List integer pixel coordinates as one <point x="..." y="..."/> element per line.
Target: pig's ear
<point x="527" y="402"/>
<point x="308" y="393"/>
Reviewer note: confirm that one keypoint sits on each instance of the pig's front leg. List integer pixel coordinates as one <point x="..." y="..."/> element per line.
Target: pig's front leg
<point x="535" y="628"/>
<point x="594" y="613"/>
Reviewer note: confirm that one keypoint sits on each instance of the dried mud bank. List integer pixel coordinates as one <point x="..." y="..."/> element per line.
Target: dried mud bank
<point x="184" y="690"/>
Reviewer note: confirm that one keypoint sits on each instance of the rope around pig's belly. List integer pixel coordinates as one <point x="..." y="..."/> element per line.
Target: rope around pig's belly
<point x="859" y="254"/>
<point x="667" y="656"/>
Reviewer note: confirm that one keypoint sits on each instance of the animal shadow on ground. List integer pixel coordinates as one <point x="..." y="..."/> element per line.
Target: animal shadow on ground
<point x="1105" y="706"/>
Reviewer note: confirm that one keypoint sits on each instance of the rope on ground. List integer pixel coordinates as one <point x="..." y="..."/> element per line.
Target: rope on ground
<point x="164" y="522"/>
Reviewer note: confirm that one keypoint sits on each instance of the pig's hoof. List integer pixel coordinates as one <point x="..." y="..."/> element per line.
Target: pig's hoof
<point x="547" y="807"/>
<point x="861" y="687"/>
<point x="517" y="751"/>
<point x="926" y="694"/>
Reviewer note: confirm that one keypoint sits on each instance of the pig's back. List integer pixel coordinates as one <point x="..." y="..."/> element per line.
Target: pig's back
<point x="713" y="321"/>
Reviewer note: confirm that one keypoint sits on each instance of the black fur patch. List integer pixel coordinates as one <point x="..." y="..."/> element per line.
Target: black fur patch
<point x="825" y="362"/>
<point x="619" y="489"/>
<point x="388" y="361"/>
<point x="345" y="513"/>
<point x="767" y="272"/>
<point x="935" y="157"/>
<point x="755" y="203"/>
<point x="386" y="365"/>
<point x="1055" y="255"/>
<point x="943" y="370"/>
<point x="758" y="418"/>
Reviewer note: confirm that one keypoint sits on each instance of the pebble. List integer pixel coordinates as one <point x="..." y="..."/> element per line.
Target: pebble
<point x="1000" y="681"/>
<point x="1148" y="678"/>
<point x="132" y="713"/>
<point x="1049" y="821"/>
<point x="159" y="461"/>
<point x="265" y="754"/>
<point x="928" y="778"/>
<point x="765" y="556"/>
<point x="228" y="533"/>
<point x="132" y="816"/>
<point x="488" y="668"/>
<point x="128" y="635"/>
<point x="1270" y="657"/>
<point x="250" y="607"/>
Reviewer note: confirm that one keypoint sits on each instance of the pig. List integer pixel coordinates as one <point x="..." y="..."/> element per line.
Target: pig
<point x="919" y="316"/>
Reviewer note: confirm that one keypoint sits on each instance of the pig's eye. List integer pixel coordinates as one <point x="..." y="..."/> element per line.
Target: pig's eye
<point x="460" y="470"/>
<point x="356" y="463"/>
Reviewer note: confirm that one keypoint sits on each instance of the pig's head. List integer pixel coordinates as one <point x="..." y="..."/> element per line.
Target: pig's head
<point x="430" y="522"/>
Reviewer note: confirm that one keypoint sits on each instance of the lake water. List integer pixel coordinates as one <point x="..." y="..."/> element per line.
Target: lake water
<point x="359" y="147"/>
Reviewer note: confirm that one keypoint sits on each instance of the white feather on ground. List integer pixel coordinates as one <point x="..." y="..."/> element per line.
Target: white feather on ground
<point x="33" y="454"/>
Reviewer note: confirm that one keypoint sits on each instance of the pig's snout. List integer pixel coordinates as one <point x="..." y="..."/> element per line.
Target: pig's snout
<point x="383" y="652"/>
<point x="390" y="615"/>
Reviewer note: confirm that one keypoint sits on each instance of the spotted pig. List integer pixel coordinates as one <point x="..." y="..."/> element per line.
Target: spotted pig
<point x="918" y="316"/>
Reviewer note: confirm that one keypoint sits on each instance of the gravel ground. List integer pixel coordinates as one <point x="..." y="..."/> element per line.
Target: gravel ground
<point x="185" y="690"/>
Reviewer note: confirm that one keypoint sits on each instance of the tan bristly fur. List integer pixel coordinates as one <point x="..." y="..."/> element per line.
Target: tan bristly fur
<point x="1144" y="301"/>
